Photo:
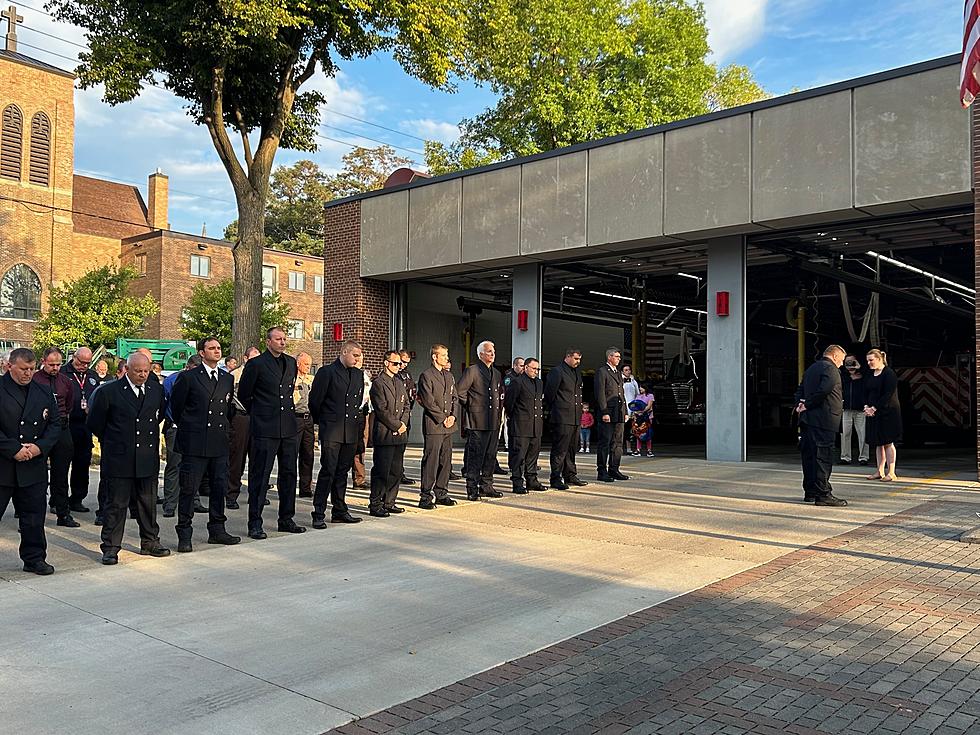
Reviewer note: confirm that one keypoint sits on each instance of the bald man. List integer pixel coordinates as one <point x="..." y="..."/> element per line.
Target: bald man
<point x="84" y="382"/>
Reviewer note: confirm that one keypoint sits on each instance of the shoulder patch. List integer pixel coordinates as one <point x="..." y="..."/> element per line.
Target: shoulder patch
<point x="507" y="380"/>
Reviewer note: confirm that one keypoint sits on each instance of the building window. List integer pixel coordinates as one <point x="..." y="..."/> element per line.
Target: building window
<point x="317" y="284"/>
<point x="318" y="331"/>
<point x="270" y="280"/>
<point x="141" y="263"/>
<point x="20" y="294"/>
<point x="297" y="281"/>
<point x="201" y="266"/>
<point x="40" y="150"/>
<point x="11" y="142"/>
<point x="294" y="328"/>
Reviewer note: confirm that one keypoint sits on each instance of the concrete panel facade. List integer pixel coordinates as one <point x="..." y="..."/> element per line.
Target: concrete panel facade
<point x="626" y="191"/>
<point x="435" y="216"/>
<point x="707" y="175"/>
<point x="801" y="158"/>
<point x="893" y="137"/>
<point x="527" y="293"/>
<point x="492" y="214"/>
<point x="553" y="203"/>
<point x="384" y="234"/>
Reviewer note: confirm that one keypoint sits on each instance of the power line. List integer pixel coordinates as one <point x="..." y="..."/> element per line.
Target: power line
<point x="136" y="183"/>
<point x="375" y="140"/>
<point x="374" y="124"/>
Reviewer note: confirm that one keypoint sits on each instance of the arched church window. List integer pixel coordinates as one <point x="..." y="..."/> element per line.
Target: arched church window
<point x="20" y="293"/>
<point x="11" y="142"/>
<point x="40" y="149"/>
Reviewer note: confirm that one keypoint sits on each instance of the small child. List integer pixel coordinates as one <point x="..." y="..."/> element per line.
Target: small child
<point x="585" y="430"/>
<point x="643" y="426"/>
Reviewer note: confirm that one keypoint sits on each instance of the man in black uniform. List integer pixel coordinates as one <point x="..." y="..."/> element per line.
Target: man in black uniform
<point x="563" y="398"/>
<point x="201" y="409"/>
<point x="437" y="395"/>
<point x="126" y="416"/>
<point x="412" y="391"/>
<point x="85" y="381"/>
<point x="392" y="407"/>
<point x="241" y="437"/>
<point x="336" y="401"/>
<point x="53" y="379"/>
<point x="481" y="393"/>
<point x="610" y="401"/>
<point x="266" y="392"/>
<point x="524" y="401"/>
<point x="29" y="429"/>
<point x="820" y="406"/>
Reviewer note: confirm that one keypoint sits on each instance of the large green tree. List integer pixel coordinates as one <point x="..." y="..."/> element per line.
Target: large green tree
<point x="443" y="158"/>
<point x="95" y="309"/>
<point x="209" y="313"/>
<point x="241" y="65"/>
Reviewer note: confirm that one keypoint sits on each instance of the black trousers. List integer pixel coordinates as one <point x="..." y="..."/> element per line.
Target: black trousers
<point x="194" y="470"/>
<point x="264" y="453"/>
<point x="610" y="450"/>
<point x="29" y="505"/>
<point x="437" y="461"/>
<point x="60" y="460"/>
<point x="817" y="455"/>
<point x="564" y="445"/>
<point x="386" y="474"/>
<point x="103" y="496"/>
<point x="81" y="460"/>
<point x="522" y="456"/>
<point x="336" y="459"/>
<point x="480" y="460"/>
<point x="306" y="440"/>
<point x="238" y="454"/>
<point x="122" y="490"/>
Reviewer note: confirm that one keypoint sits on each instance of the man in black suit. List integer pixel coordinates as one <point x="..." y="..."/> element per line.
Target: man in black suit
<point x="266" y="392"/>
<point x="610" y="401"/>
<point x="85" y="381"/>
<point x="241" y="437"/>
<point x="481" y="394"/>
<point x="820" y="406"/>
<point x="524" y="401"/>
<point x="412" y="390"/>
<point x="437" y="396"/>
<point x="126" y="416"/>
<point x="389" y="399"/>
<point x="50" y="377"/>
<point x="336" y="403"/>
<point x="563" y="399"/>
<point x="29" y="429"/>
<point x="201" y="408"/>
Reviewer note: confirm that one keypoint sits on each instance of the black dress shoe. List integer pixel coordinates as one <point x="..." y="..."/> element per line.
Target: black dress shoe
<point x="535" y="485"/>
<point x="498" y="470"/>
<point x="603" y="477"/>
<point x="52" y="510"/>
<point x="184" y="546"/>
<point x="455" y="476"/>
<point x="520" y="491"/>
<point x="306" y="495"/>
<point x="617" y="475"/>
<point x="78" y="508"/>
<point x="377" y="513"/>
<point x="319" y="524"/>
<point x="558" y="484"/>
<point x="396" y="509"/>
<point x="427" y="504"/>
<point x="862" y="461"/>
<point x="109" y="559"/>
<point x="159" y="500"/>
<point x="809" y="498"/>
<point x="156" y="551"/>
<point x="258" y="534"/>
<point x="492" y="494"/>
<point x="68" y="522"/>
<point x="98" y="521"/>
<point x="168" y="514"/>
<point x="445" y="501"/>
<point x="576" y="480"/>
<point x="198" y="508"/>
<point x="844" y="461"/>
<point x="41" y="568"/>
<point x="291" y="527"/>
<point x="267" y="502"/>
<point x="223" y="537"/>
<point x="232" y="505"/>
<point x="407" y="480"/>
<point x="345" y="518"/>
<point x="831" y="501"/>
<point x="473" y="496"/>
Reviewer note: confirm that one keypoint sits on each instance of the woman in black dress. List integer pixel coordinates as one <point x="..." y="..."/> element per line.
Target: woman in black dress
<point x="884" y="414"/>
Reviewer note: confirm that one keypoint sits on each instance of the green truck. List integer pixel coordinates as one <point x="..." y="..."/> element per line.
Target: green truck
<point x="172" y="354"/>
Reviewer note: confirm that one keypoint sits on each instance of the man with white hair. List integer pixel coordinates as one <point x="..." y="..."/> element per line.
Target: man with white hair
<point x="126" y="415"/>
<point x="481" y="395"/>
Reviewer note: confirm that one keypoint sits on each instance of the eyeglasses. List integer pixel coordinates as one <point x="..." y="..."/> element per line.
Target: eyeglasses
<point x="392" y="362"/>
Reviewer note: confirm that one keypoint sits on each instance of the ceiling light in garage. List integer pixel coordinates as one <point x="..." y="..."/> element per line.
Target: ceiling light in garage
<point x="920" y="271"/>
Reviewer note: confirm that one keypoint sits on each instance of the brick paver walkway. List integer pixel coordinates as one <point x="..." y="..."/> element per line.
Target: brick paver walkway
<point x="873" y="631"/>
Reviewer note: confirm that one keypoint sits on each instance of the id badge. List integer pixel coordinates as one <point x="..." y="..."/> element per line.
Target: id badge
<point x="84" y="404"/>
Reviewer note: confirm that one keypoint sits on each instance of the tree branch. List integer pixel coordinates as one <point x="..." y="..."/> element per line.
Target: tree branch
<point x="215" y="121"/>
<point x="307" y="72"/>
<point x="272" y="131"/>
<point x="245" y="142"/>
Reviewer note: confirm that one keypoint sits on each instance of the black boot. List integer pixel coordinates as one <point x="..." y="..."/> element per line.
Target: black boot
<point x="184" y="540"/>
<point x="519" y="488"/>
<point x="218" y="535"/>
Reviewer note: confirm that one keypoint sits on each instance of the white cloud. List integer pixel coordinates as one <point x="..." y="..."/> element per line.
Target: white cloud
<point x="429" y="129"/>
<point x="734" y="25"/>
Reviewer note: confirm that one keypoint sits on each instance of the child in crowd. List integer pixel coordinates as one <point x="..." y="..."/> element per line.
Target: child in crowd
<point x="643" y="426"/>
<point x="585" y="430"/>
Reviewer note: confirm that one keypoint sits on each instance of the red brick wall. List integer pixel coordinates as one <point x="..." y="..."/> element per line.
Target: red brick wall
<point x="361" y="305"/>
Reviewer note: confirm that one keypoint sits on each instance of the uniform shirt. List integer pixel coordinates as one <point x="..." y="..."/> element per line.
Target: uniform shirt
<point x="301" y="394"/>
<point x="61" y="385"/>
<point x="168" y="389"/>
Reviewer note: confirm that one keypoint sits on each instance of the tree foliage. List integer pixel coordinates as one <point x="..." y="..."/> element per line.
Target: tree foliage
<point x="365" y="169"/>
<point x="210" y="313"/>
<point x="441" y="158"/>
<point x="95" y="309"/>
<point x="734" y="86"/>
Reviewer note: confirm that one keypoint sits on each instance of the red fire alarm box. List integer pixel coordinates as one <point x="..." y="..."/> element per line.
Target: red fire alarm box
<point x="338" y="332"/>
<point x="522" y="319"/>
<point x="721" y="303"/>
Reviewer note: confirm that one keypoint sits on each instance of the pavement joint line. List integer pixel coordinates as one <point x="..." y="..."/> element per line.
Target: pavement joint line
<point x="178" y="647"/>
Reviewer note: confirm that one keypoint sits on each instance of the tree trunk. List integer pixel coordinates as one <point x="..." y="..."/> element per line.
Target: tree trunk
<point x="247" y="254"/>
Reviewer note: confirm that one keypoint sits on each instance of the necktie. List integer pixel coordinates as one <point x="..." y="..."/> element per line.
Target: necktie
<point x="139" y="392"/>
<point x="214" y="377"/>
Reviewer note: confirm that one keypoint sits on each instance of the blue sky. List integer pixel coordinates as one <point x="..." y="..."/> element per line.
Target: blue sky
<point x="787" y="43"/>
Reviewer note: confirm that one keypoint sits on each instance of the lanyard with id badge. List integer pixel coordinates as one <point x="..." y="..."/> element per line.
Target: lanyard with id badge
<point x="81" y="388"/>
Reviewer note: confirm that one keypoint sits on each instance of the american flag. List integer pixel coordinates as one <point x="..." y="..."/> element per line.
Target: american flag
<point x="970" y="68"/>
